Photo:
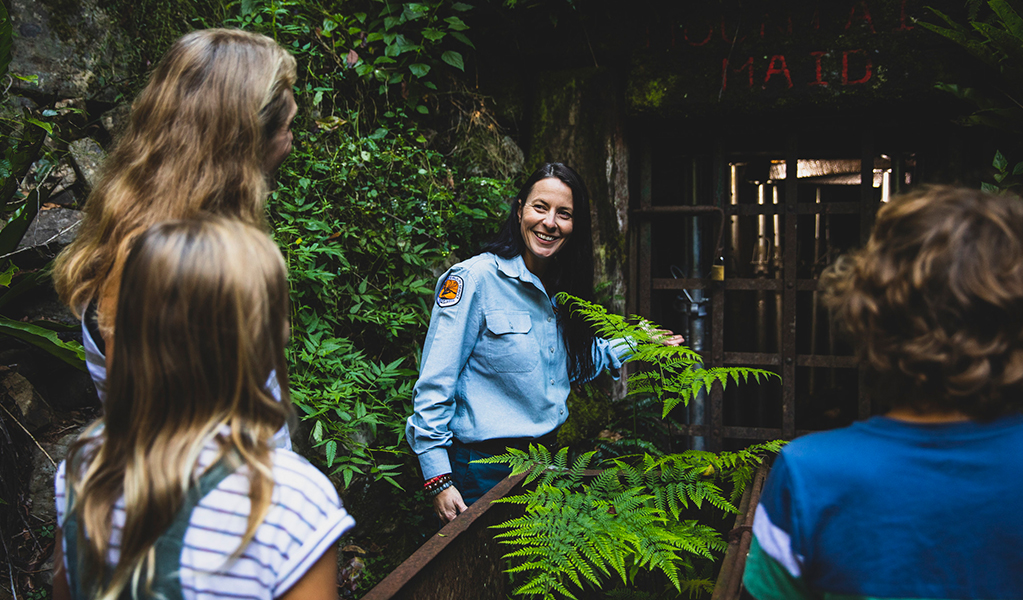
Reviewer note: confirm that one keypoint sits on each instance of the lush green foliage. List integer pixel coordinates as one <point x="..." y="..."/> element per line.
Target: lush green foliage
<point x="632" y="517"/>
<point x="676" y="373"/>
<point x="628" y="518"/>
<point x="22" y="147"/>
<point x="366" y="211"/>
<point x="996" y="40"/>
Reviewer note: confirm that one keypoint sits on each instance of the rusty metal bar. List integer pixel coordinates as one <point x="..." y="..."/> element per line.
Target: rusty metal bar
<point x="824" y="360"/>
<point x="732" y="584"/>
<point x="752" y="358"/>
<point x="736" y="432"/>
<point x="687" y="211"/>
<point x="462" y="560"/>
<point x="867" y="216"/>
<point x="788" y="309"/>
<point x="662" y="283"/>
<point x="802" y="360"/>
<point x="722" y="192"/>
<point x="806" y="208"/>
<point x="732" y="553"/>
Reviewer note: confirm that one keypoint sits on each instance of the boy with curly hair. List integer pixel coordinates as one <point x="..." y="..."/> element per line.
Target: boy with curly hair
<point x="919" y="502"/>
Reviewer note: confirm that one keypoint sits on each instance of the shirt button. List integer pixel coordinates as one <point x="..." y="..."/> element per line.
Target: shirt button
<point x="552" y="349"/>
<point x="549" y="319"/>
<point x="561" y="412"/>
<point x="552" y="382"/>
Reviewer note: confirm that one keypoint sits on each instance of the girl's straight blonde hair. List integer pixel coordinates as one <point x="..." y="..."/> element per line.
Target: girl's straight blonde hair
<point x="195" y="144"/>
<point x="201" y="323"/>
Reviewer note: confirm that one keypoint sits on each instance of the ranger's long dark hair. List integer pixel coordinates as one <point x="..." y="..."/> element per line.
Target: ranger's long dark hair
<point x="570" y="271"/>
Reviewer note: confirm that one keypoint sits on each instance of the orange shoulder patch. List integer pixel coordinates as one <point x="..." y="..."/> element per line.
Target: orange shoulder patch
<point x="450" y="291"/>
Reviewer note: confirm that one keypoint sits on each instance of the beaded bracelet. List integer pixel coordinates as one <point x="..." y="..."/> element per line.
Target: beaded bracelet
<point x="436" y="479"/>
<point x="437" y="485"/>
<point x="439" y="489"/>
<point x="434" y="484"/>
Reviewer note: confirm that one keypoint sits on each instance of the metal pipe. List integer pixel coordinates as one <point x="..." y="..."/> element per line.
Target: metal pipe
<point x="831" y="321"/>
<point x="816" y="295"/>
<point x="734" y="201"/>
<point x="760" y="262"/>
<point x="697" y="313"/>
<point x="776" y="263"/>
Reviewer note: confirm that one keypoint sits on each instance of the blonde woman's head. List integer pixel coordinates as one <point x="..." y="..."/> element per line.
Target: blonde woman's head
<point x="201" y="329"/>
<point x="201" y="324"/>
<point x="204" y="136"/>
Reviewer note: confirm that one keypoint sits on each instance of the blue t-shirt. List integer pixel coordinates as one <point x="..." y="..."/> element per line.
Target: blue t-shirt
<point x="889" y="509"/>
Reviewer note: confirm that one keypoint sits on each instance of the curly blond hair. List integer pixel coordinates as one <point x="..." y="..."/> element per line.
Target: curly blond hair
<point x="935" y="300"/>
<point x="195" y="144"/>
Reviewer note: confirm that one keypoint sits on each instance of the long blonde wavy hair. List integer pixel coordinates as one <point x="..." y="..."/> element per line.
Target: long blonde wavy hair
<point x="201" y="320"/>
<point x="195" y="144"/>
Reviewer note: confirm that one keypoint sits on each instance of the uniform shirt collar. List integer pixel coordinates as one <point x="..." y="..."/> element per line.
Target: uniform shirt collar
<point x="516" y="267"/>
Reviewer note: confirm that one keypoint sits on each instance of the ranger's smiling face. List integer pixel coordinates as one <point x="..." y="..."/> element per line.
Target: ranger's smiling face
<point x="545" y="221"/>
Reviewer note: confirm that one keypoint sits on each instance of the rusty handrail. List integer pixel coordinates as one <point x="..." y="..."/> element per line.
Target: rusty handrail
<point x="422" y="576"/>
<point x="739" y="540"/>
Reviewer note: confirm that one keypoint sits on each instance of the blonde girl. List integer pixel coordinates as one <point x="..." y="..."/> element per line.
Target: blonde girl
<point x="206" y="133"/>
<point x="176" y="492"/>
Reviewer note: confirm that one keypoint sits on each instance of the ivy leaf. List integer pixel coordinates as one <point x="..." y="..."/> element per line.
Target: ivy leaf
<point x="1000" y="162"/>
<point x="422" y="109"/>
<point x="456" y="24"/>
<point x="1018" y="169"/>
<point x="989" y="187"/>
<point x="454" y="59"/>
<point x="419" y="69"/>
<point x="461" y="6"/>
<point x="461" y="37"/>
<point x="414" y="11"/>
<point x="361" y="16"/>
<point x="434" y="34"/>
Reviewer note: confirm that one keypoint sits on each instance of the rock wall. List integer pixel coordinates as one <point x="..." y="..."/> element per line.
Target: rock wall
<point x="69" y="48"/>
<point x="576" y="120"/>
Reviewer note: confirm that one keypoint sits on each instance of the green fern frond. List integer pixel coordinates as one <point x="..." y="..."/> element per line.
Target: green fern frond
<point x="576" y="532"/>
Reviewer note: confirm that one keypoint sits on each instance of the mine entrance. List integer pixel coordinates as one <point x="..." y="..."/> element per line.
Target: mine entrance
<point x="774" y="207"/>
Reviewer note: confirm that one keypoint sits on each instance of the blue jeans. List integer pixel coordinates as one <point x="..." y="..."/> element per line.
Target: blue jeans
<point x="473" y="480"/>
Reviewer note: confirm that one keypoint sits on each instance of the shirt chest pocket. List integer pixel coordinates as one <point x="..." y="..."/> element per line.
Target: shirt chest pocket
<point x="509" y="345"/>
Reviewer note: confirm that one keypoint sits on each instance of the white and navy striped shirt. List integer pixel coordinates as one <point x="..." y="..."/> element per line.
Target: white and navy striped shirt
<point x="305" y="518"/>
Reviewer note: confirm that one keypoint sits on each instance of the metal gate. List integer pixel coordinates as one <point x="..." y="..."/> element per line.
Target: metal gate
<point x="775" y="218"/>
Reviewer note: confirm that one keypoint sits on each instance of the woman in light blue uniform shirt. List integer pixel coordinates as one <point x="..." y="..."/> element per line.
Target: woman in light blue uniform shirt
<point x="499" y="357"/>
